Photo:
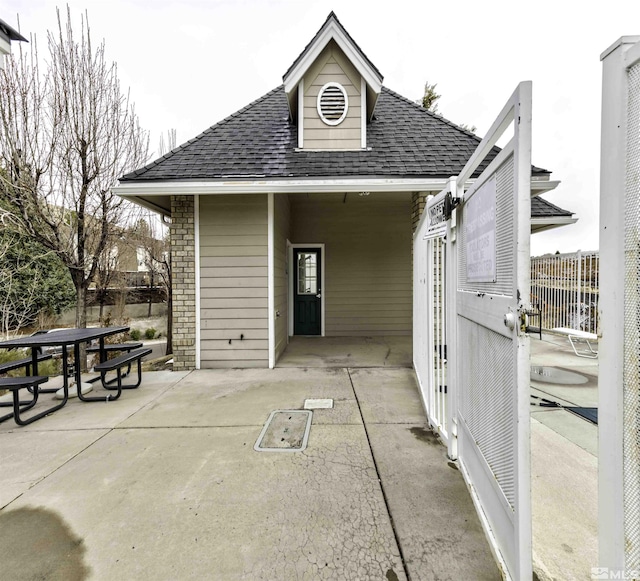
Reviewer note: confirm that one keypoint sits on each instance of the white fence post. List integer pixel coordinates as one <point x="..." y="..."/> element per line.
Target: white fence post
<point x="619" y="414"/>
<point x="579" y="289"/>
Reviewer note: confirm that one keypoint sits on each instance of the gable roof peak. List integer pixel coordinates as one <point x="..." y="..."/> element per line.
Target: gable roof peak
<point x="332" y="29"/>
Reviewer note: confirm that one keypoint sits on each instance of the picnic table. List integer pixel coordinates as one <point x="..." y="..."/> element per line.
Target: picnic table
<point x="68" y="340"/>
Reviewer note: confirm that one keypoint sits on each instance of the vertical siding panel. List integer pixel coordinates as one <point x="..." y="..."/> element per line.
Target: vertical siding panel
<point x="368" y="277"/>
<point x="230" y="229"/>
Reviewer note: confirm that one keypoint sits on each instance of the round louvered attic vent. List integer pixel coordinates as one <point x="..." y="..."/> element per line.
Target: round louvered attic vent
<point x="332" y="103"/>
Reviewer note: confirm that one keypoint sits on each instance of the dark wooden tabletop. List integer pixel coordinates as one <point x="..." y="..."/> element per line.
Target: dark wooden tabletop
<point x="62" y="337"/>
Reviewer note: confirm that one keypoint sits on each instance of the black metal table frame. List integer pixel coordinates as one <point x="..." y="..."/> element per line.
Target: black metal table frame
<point x="65" y="338"/>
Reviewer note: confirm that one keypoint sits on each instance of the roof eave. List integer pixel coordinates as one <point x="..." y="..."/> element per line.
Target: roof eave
<point x="11" y="32"/>
<point x="160" y="205"/>
<point x="156" y="195"/>
<point x="550" y="223"/>
<point x="259" y="185"/>
<point x="542" y="186"/>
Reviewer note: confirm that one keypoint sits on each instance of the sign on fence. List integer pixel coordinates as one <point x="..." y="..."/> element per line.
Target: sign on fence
<point x="436" y="221"/>
<point x="480" y="234"/>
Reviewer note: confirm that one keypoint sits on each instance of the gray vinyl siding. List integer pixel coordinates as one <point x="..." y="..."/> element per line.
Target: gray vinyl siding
<point x="368" y="271"/>
<point x="332" y="66"/>
<point x="233" y="281"/>
<point x="282" y="222"/>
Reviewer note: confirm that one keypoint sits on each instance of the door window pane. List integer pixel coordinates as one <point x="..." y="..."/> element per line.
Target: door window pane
<point x="307" y="273"/>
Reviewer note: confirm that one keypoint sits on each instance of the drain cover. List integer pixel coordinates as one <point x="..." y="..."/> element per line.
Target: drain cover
<point x="317" y="404"/>
<point x="285" y="431"/>
<point x="555" y="375"/>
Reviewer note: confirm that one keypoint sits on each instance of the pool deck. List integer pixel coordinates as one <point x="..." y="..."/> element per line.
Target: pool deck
<point x="564" y="466"/>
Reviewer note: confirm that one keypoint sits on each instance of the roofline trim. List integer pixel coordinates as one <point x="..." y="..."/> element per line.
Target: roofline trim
<point x="550" y="222"/>
<point x="332" y="30"/>
<point x="295" y="186"/>
<point x="11" y="32"/>
<point x="140" y="192"/>
<point x="542" y="186"/>
<point x="311" y="185"/>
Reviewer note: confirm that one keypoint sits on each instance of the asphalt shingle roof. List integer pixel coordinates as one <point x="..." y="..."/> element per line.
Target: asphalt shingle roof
<point x="541" y="208"/>
<point x="404" y="141"/>
<point x="260" y="141"/>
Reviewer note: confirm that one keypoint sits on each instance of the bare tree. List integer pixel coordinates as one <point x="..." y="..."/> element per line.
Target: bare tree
<point x="153" y="239"/>
<point x="160" y="255"/>
<point x="170" y="143"/>
<point x="66" y="135"/>
<point x="106" y="274"/>
<point x="160" y="262"/>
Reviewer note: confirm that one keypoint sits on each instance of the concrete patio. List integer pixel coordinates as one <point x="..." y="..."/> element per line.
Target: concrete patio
<point x="165" y="484"/>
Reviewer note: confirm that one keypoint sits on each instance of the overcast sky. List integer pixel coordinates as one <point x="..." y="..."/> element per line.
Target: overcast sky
<point x="191" y="63"/>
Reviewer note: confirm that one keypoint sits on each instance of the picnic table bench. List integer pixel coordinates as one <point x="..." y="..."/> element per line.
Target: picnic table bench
<point x="14" y="384"/>
<point x="117" y="363"/>
<point x="25" y="363"/>
<point x="577" y="336"/>
<point x="19" y="363"/>
<point x="111" y="347"/>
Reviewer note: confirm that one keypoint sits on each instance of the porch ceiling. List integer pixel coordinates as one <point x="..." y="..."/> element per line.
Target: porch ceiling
<point x="351" y="197"/>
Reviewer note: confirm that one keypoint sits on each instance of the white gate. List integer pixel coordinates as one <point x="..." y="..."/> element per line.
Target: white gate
<point x="619" y="347"/>
<point x="483" y="414"/>
<point x="492" y="354"/>
<point x="430" y="325"/>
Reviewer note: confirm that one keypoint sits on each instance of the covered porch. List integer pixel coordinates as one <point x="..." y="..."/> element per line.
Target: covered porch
<point x="280" y="266"/>
<point x="352" y="352"/>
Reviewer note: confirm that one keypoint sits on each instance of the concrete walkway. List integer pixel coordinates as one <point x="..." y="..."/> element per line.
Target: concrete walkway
<point x="165" y="484"/>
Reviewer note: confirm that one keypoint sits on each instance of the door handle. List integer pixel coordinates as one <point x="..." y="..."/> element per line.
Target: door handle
<point x="510" y="321"/>
<point x="319" y="295"/>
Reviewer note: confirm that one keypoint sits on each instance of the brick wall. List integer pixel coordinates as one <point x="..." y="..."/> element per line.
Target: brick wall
<point x="183" y="270"/>
<point x="418" y="203"/>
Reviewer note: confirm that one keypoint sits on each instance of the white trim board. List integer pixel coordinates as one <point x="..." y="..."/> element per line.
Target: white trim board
<point x="363" y="113"/>
<point x="301" y="114"/>
<point x="297" y="186"/>
<point x="332" y="30"/>
<point x="271" y="287"/>
<point x="261" y="185"/>
<point x="196" y="259"/>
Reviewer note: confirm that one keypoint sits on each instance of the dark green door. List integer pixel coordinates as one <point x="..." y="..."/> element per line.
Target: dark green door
<point x="307" y="292"/>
